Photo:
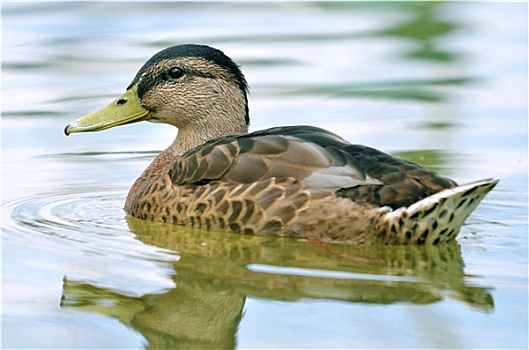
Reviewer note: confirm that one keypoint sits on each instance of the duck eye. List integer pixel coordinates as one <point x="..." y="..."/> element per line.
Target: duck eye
<point x="176" y="72"/>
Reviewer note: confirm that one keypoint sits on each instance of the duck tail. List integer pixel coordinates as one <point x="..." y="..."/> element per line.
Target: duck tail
<point x="436" y="218"/>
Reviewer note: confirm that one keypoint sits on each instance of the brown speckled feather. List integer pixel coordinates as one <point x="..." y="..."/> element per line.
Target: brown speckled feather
<point x="315" y="157"/>
<point x="265" y="207"/>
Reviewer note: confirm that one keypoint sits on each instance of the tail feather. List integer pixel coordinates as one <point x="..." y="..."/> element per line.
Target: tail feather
<point x="437" y="218"/>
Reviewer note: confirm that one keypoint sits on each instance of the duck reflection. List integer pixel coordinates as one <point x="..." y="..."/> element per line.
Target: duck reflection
<point x="217" y="271"/>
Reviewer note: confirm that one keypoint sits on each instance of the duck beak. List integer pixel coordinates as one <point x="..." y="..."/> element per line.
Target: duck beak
<point x="125" y="109"/>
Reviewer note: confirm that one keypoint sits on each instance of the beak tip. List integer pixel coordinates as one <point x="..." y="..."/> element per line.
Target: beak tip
<point x="119" y="112"/>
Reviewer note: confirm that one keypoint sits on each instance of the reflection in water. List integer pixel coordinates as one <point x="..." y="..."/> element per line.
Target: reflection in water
<point x="425" y="27"/>
<point x="217" y="271"/>
<point x="425" y="90"/>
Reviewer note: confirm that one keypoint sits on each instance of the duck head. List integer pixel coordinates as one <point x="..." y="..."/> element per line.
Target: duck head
<point x="196" y="88"/>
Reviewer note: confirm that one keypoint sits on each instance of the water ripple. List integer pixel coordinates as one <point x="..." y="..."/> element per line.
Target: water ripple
<point x="80" y="211"/>
<point x="81" y="220"/>
<point x="82" y="233"/>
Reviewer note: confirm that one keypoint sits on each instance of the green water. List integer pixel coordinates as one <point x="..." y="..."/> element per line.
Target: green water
<point x="441" y="84"/>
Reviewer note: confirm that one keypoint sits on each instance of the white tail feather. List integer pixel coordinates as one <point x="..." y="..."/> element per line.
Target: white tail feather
<point x="438" y="217"/>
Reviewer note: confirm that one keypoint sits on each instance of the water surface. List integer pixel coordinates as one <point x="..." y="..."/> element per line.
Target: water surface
<point x="441" y="84"/>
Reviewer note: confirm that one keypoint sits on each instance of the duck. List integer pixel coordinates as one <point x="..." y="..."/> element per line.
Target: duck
<point x="295" y="181"/>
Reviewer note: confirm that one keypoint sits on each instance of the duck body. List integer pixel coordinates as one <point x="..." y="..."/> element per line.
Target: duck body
<point x="296" y="181"/>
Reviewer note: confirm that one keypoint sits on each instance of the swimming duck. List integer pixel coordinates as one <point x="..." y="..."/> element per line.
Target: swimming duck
<point x="295" y="181"/>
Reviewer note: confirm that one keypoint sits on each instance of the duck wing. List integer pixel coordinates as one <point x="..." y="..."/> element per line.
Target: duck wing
<point x="403" y="182"/>
<point x="314" y="157"/>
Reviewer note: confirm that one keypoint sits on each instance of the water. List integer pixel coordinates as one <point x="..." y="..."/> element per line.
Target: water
<point x="442" y="84"/>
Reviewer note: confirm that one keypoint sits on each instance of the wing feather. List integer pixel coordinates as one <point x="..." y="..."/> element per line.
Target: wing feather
<point x="310" y="155"/>
<point x="314" y="157"/>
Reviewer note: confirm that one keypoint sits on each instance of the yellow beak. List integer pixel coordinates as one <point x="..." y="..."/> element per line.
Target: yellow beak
<point x="123" y="110"/>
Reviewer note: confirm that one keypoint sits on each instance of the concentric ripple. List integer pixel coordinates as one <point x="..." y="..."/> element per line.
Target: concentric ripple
<point x="81" y="220"/>
<point x="81" y="211"/>
<point x="82" y="233"/>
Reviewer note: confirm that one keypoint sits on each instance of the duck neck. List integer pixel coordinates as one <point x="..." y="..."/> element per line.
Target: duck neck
<point x="192" y="136"/>
<point x="222" y="111"/>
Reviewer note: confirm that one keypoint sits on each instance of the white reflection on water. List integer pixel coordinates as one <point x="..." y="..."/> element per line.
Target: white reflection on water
<point x="326" y="274"/>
